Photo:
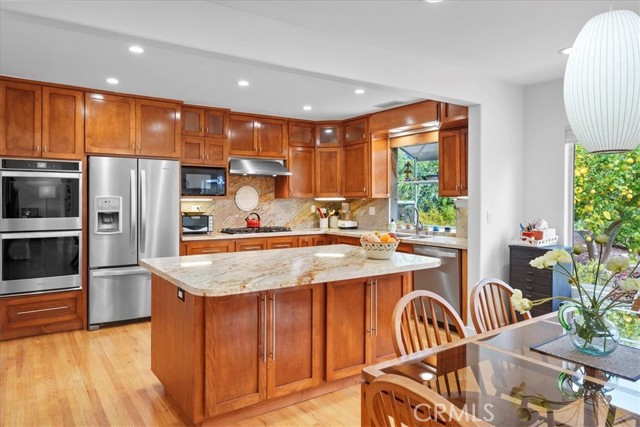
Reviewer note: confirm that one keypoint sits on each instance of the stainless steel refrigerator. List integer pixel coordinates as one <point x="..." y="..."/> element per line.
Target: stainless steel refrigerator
<point x="134" y="210"/>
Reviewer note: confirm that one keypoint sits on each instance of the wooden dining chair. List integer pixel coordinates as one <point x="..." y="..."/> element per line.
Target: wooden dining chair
<point x="491" y="306"/>
<point x="393" y="400"/>
<point x="416" y="326"/>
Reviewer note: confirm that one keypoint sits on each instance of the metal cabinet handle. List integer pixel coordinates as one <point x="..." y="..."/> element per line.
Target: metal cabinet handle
<point x="375" y="284"/>
<point x="529" y="288"/>
<point x="37" y="148"/>
<point x="273" y="327"/>
<point x="44" y="148"/>
<point x="281" y="245"/>
<point x="370" y="285"/>
<point x="264" y="328"/>
<point x="211" y="251"/>
<point x="252" y="248"/>
<point x="43" y="309"/>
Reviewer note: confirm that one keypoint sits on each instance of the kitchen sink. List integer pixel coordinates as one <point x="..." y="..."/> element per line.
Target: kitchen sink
<point x="413" y="236"/>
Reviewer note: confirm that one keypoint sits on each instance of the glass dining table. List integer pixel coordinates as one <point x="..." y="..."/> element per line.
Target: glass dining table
<point x="497" y="378"/>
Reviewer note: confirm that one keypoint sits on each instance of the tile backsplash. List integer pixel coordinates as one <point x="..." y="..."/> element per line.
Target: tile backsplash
<point x="295" y="213"/>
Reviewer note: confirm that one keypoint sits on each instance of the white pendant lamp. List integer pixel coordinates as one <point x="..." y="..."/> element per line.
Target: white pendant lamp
<point x="602" y="83"/>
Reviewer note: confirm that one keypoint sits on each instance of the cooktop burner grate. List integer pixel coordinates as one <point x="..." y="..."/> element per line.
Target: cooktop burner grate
<point x="244" y="230"/>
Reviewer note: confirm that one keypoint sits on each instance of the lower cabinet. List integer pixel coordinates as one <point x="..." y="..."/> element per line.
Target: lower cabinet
<point x="210" y="247"/>
<point x="243" y="245"/>
<point x="29" y="315"/>
<point x="282" y="242"/>
<point x="262" y="345"/>
<point x="359" y="322"/>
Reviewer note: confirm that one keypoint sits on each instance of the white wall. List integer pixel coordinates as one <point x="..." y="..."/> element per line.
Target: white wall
<point x="544" y="154"/>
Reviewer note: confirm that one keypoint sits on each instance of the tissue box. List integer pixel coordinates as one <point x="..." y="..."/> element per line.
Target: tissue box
<point x="549" y="233"/>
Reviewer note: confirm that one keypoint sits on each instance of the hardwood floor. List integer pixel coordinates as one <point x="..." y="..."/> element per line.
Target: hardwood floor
<point x="103" y="377"/>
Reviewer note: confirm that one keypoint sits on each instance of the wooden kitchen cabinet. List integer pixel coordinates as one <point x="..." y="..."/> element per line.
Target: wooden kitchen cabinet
<point x="301" y="134"/>
<point x="29" y="315"/>
<point x="262" y="345"/>
<point x="124" y="125"/>
<point x="328" y="134"/>
<point x="359" y="322"/>
<point x="301" y="163"/>
<point x="204" y="151"/>
<point x="205" y="122"/>
<point x="257" y="136"/>
<point x="243" y="245"/>
<point x="282" y="242"/>
<point x="328" y="172"/>
<point x="319" y="240"/>
<point x="355" y="179"/>
<point x="355" y="131"/>
<point x="40" y="121"/>
<point x="452" y="115"/>
<point x="453" y="149"/>
<point x="209" y="247"/>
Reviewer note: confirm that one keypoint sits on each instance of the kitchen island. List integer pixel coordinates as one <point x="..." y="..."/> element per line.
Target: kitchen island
<point x="238" y="334"/>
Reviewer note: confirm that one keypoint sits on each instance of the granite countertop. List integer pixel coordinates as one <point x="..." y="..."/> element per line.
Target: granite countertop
<point x="244" y="272"/>
<point x="439" y="241"/>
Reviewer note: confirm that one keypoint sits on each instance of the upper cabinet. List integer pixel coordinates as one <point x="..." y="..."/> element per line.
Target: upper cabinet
<point x="328" y="175"/>
<point x="410" y="117"/>
<point x="257" y="136"/>
<point x="355" y="177"/>
<point x="453" y="149"/>
<point x="124" y="125"/>
<point x="301" y="163"/>
<point x="40" y="121"/>
<point x="328" y="134"/>
<point x="206" y="122"/>
<point x="302" y="134"/>
<point x="355" y="131"/>
<point x="205" y="151"/>
<point x="452" y="115"/>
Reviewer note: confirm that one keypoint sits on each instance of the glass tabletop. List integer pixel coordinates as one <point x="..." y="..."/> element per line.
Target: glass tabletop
<point x="499" y="379"/>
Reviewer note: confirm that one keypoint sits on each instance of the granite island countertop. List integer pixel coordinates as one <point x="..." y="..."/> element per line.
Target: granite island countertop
<point x="439" y="241"/>
<point x="244" y="272"/>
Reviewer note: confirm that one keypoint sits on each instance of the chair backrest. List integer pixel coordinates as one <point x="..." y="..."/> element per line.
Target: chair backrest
<point x="423" y="319"/>
<point x="491" y="306"/>
<point x="393" y="400"/>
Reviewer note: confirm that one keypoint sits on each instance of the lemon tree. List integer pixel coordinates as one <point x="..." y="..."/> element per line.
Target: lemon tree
<point x="606" y="191"/>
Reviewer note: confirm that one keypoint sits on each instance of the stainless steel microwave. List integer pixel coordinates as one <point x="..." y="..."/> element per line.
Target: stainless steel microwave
<point x="204" y="181"/>
<point x="197" y="224"/>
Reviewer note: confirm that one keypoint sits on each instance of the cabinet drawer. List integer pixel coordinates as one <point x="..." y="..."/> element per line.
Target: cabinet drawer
<point x="533" y="284"/>
<point x="42" y="311"/>
<point x="531" y="272"/>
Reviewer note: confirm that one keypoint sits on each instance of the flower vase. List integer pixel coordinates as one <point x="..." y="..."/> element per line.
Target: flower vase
<point x="590" y="331"/>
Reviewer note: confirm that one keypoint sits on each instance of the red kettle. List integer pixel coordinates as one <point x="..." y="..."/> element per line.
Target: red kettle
<point x="252" y="222"/>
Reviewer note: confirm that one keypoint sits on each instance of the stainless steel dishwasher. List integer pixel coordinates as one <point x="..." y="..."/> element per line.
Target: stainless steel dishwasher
<point x="444" y="280"/>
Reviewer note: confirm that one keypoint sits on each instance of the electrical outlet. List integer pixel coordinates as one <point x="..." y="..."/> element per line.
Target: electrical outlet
<point x="489" y="217"/>
<point x="196" y="208"/>
<point x="313" y="208"/>
<point x="372" y="210"/>
<point x="181" y="294"/>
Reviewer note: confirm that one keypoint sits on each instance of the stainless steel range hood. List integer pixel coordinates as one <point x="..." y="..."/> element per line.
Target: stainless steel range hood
<point x="264" y="167"/>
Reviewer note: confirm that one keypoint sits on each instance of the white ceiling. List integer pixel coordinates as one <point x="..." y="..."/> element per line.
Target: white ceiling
<point x="190" y="57"/>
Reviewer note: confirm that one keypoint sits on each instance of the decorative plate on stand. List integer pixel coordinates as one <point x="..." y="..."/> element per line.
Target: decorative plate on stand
<point x="246" y="198"/>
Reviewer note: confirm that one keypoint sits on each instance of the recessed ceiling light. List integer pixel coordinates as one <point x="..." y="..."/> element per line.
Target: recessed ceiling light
<point x="113" y="81"/>
<point x="136" y="49"/>
<point x="306" y="107"/>
<point x="565" y="51"/>
<point x="433" y="1"/>
<point x="359" y="91"/>
<point x="243" y="83"/>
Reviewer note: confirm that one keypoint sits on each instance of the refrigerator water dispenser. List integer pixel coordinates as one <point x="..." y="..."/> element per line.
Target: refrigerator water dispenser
<point x="108" y="214"/>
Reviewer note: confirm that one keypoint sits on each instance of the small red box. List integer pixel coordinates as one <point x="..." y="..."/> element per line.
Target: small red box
<point x="534" y="234"/>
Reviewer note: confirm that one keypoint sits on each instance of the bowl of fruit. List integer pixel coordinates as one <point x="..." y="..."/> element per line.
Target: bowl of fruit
<point x="379" y="245"/>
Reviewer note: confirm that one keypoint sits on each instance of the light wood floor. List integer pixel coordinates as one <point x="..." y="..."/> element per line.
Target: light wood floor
<point x="100" y="378"/>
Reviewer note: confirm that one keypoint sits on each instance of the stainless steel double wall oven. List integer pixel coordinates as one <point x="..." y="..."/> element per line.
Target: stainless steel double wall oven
<point x="40" y="226"/>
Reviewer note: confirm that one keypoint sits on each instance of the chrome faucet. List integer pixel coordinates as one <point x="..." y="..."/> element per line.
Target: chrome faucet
<point x="418" y="225"/>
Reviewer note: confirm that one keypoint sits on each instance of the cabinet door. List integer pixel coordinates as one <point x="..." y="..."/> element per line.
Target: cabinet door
<point x="328" y="172"/>
<point x="192" y="121"/>
<point x="20" y="119"/>
<point x="355" y="131"/>
<point x="216" y="123"/>
<point x="235" y="352"/>
<point x="62" y="123"/>
<point x="387" y="291"/>
<point x="295" y="340"/>
<point x="158" y="128"/>
<point x="328" y="134"/>
<point x="210" y="247"/>
<point x="464" y="162"/>
<point x="452" y="113"/>
<point x="449" y="158"/>
<point x="380" y="167"/>
<point x="243" y="245"/>
<point x="356" y="171"/>
<point x="348" y="327"/>
<point x="272" y="138"/>
<point x="242" y="139"/>
<point x="216" y="152"/>
<point x="192" y="150"/>
<point x="320" y="240"/>
<point x="305" y="241"/>
<point x="346" y="240"/>
<point x="110" y="124"/>
<point x="302" y="166"/>
<point x="282" y="242"/>
<point x="301" y="134"/>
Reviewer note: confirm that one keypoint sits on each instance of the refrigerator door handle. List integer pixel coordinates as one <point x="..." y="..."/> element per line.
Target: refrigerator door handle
<point x="134" y="214"/>
<point x="113" y="272"/>
<point x="143" y="211"/>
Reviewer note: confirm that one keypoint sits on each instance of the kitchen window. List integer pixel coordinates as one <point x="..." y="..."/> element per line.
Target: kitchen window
<point x="417" y="167"/>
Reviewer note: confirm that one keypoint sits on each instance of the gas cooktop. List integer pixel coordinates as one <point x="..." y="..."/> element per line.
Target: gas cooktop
<point x="244" y="230"/>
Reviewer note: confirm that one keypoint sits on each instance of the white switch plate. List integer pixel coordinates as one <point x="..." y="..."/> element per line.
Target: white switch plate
<point x="372" y="210"/>
<point x="313" y="208"/>
<point x="489" y="217"/>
